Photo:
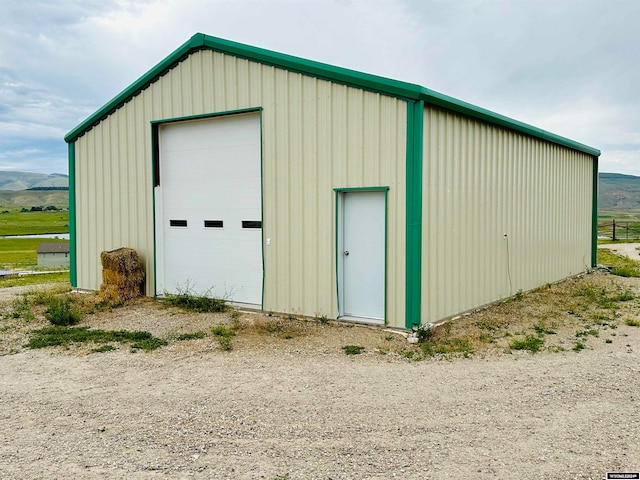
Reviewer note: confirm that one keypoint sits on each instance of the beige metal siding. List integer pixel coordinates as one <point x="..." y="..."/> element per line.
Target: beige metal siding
<point x="317" y="136"/>
<point x="480" y="182"/>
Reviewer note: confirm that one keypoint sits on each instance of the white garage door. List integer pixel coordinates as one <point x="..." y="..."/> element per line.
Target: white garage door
<point x="209" y="208"/>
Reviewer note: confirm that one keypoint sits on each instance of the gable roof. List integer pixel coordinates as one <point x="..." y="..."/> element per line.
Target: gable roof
<point x="53" y="247"/>
<point x="382" y="85"/>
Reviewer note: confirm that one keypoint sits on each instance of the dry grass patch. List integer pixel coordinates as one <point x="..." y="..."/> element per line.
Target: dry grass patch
<point x="551" y="318"/>
<point x="571" y="315"/>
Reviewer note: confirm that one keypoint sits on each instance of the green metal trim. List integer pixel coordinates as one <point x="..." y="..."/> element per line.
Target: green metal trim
<point x="154" y="153"/>
<point x="361" y="189"/>
<point x="73" y="265"/>
<point x="594" y="214"/>
<point x="207" y="115"/>
<point x="259" y="110"/>
<point x="374" y="83"/>
<point x="179" y="54"/>
<point x="337" y="250"/>
<point x="345" y="76"/>
<point x="386" y="250"/>
<point x="413" y="283"/>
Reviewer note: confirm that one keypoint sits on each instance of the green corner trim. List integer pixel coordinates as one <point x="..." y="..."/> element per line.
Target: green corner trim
<point x="594" y="215"/>
<point x="73" y="266"/>
<point x="413" y="284"/>
<point x="374" y="83"/>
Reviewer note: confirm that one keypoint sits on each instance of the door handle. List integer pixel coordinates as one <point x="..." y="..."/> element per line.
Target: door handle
<point x="346" y="253"/>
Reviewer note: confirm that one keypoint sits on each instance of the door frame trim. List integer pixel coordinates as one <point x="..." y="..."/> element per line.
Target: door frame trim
<point x="155" y="177"/>
<point x="339" y="194"/>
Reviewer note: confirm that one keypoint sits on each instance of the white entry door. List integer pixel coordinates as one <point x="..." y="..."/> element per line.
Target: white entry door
<point x="209" y="208"/>
<point x="362" y="255"/>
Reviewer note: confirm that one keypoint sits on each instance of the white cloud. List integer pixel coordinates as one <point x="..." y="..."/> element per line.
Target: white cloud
<point x="569" y="67"/>
<point x="620" y="161"/>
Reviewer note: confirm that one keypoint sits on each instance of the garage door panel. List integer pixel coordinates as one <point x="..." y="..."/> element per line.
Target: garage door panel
<point x="210" y="170"/>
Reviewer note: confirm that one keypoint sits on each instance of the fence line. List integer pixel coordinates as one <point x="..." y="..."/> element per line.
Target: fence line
<point x="619" y="230"/>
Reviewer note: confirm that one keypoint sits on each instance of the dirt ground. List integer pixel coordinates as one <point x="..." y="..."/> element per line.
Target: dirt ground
<point x="287" y="403"/>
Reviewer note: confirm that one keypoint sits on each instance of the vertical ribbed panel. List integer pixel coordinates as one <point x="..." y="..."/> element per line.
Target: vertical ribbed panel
<point x="480" y="182"/>
<point x="317" y="136"/>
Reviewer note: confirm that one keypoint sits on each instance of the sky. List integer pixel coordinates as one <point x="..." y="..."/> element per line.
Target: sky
<point x="569" y="67"/>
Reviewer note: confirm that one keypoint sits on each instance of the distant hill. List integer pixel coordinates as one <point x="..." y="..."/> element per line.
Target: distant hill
<point x="618" y="193"/>
<point x="10" y="180"/>
<point x="11" y="199"/>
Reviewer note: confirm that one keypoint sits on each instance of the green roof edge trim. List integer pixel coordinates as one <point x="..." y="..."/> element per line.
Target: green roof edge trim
<point x="382" y="85"/>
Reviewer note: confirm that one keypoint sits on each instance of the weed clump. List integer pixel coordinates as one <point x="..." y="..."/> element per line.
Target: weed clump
<point x="148" y="344"/>
<point x="531" y="343"/>
<point x="632" y="323"/>
<point x="578" y="347"/>
<point x="65" y="336"/>
<point x="187" y="300"/>
<point x="62" y="312"/>
<point x="103" y="348"/>
<point x="20" y="308"/>
<point x="223" y="335"/>
<point x="191" y="336"/>
<point x="353" y="349"/>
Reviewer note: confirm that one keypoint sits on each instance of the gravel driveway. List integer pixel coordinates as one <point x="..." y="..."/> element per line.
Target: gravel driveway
<point x="301" y="415"/>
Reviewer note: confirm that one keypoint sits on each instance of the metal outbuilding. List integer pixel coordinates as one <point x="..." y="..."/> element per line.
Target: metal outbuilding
<point x="304" y="188"/>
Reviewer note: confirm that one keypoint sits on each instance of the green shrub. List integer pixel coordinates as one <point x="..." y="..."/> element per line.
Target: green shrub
<point x="353" y="349"/>
<point x="225" y="343"/>
<point x="624" y="296"/>
<point x="447" y="346"/>
<point x="531" y="343"/>
<point x="148" y="344"/>
<point x="222" y="331"/>
<point x="223" y="335"/>
<point x="61" y="312"/>
<point x="424" y="332"/>
<point x="632" y="323"/>
<point x="65" y="336"/>
<point x="20" y="308"/>
<point x="103" y="348"/>
<point x="187" y="300"/>
<point x="541" y="329"/>
<point x="583" y="333"/>
<point x="191" y="336"/>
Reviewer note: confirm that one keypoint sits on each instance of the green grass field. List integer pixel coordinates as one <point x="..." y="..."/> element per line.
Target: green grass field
<point x="20" y="252"/>
<point x="32" y="223"/>
<point x="53" y="277"/>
